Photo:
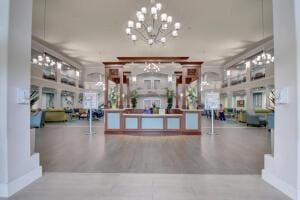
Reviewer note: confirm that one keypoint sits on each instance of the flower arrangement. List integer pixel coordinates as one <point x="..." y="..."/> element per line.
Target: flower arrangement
<point x="191" y="97"/>
<point x="113" y="97"/>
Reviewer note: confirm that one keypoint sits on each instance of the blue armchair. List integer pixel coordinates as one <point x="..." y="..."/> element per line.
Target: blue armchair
<point x="37" y="120"/>
<point x="255" y="120"/>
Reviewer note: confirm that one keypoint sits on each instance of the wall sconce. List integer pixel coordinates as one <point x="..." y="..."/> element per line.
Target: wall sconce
<point x="134" y="79"/>
<point x="181" y="95"/>
<point x="248" y="64"/>
<point x="228" y="72"/>
<point x="59" y="66"/>
<point x="77" y="73"/>
<point x="170" y="78"/>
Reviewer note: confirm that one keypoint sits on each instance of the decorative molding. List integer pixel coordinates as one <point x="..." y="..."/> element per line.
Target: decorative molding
<point x="279" y="184"/>
<point x="7" y="190"/>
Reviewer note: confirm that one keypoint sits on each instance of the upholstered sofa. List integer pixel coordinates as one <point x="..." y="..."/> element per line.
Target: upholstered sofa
<point x="56" y="115"/>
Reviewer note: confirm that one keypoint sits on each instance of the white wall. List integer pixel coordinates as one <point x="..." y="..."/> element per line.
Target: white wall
<point x="18" y="167"/>
<point x="281" y="170"/>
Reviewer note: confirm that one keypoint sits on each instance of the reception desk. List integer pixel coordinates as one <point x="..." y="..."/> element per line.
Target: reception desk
<point x="187" y="122"/>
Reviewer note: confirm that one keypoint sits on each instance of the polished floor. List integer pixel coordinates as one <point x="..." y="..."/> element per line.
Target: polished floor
<point x="94" y="186"/>
<point x="236" y="150"/>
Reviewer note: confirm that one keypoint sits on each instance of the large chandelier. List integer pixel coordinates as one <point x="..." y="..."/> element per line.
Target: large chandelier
<point x="151" y="68"/>
<point x="152" y="26"/>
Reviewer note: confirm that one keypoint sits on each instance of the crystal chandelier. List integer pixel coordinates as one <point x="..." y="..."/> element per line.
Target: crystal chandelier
<point x="152" y="26"/>
<point x="152" y="68"/>
<point x="43" y="60"/>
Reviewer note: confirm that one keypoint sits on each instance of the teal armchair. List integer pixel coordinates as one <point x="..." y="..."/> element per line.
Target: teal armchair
<point x="37" y="120"/>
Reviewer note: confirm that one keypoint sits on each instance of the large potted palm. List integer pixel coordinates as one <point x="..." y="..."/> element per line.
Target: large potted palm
<point x="170" y="96"/>
<point x="134" y="96"/>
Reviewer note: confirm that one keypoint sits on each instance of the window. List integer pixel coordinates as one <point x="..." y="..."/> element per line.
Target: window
<point x="149" y="103"/>
<point x="147" y="84"/>
<point x="257" y="100"/>
<point x="156" y="84"/>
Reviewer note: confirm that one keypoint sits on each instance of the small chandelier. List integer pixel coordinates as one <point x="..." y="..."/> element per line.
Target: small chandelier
<point x="43" y="60"/>
<point x="151" y="26"/>
<point x="263" y="59"/>
<point x="151" y="68"/>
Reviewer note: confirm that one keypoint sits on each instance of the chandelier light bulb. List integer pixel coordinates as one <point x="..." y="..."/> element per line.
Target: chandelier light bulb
<point x="153" y="10"/>
<point x="34" y="61"/>
<point x="149" y="29"/>
<point x="138" y="13"/>
<point x="150" y="41"/>
<point x="174" y="33"/>
<point x="177" y="25"/>
<point x="128" y="31"/>
<point x="130" y="24"/>
<point x="155" y="17"/>
<point x="169" y="19"/>
<point x="164" y="17"/>
<point x="158" y="6"/>
<point x="138" y="25"/>
<point x="144" y="10"/>
<point x="133" y="37"/>
<point x="141" y="18"/>
<point x="40" y="58"/>
<point x="163" y="40"/>
<point x="165" y="26"/>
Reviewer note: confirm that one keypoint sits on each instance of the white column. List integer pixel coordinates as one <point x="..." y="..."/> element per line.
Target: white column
<point x="18" y="167"/>
<point x="40" y="101"/>
<point x="229" y="99"/>
<point x="282" y="170"/>
<point x="249" y="100"/>
<point x="248" y="74"/>
<point x="76" y="99"/>
<point x="267" y="92"/>
<point x="57" y="103"/>
<point x="58" y="75"/>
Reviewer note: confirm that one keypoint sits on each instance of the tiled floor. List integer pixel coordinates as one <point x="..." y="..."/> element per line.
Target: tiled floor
<point x="69" y="186"/>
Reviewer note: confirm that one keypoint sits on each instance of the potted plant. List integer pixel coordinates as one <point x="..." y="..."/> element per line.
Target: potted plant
<point x="170" y="95"/>
<point x="134" y="96"/>
<point x="191" y="97"/>
<point x="113" y="97"/>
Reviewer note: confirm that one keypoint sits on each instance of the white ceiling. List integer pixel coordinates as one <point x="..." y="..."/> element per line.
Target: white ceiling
<point x="92" y="31"/>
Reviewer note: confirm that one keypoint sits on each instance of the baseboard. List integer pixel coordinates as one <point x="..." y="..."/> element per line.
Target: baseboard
<point x="7" y="190"/>
<point x="279" y="184"/>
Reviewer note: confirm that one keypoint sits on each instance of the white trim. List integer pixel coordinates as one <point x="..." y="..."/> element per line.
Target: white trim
<point x="7" y="190"/>
<point x="279" y="184"/>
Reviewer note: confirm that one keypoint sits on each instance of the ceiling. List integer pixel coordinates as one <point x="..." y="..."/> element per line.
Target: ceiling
<point x="93" y="31"/>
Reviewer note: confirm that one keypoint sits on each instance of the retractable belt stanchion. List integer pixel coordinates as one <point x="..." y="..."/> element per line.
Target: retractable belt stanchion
<point x="212" y="123"/>
<point x="91" y="132"/>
